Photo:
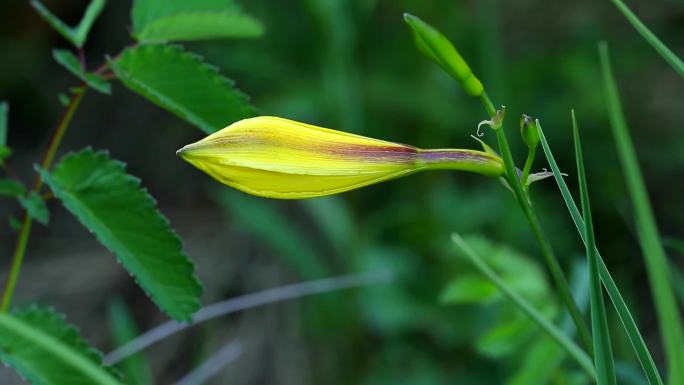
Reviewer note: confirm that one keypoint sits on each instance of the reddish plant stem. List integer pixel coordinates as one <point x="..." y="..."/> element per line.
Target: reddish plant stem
<point x="25" y="231"/>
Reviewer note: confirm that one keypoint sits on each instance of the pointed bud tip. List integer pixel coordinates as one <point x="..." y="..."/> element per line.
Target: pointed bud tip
<point x="184" y="151"/>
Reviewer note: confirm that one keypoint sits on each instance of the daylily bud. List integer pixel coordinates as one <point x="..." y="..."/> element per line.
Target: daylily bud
<point x="529" y="131"/>
<point x="438" y="48"/>
<point x="279" y="158"/>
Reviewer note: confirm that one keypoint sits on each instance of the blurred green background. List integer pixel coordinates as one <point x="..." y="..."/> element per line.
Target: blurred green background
<point x="353" y="66"/>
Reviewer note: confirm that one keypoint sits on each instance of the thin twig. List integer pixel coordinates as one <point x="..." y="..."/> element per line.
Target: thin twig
<point x="25" y="231"/>
<point x="248" y="301"/>
<point x="212" y="366"/>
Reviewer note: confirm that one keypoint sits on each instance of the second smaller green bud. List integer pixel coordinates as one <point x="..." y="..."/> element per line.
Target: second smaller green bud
<point x="529" y="131"/>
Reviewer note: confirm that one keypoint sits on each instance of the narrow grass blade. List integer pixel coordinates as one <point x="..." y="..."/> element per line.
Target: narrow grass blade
<point x="669" y="319"/>
<point x="212" y="366"/>
<point x="651" y="38"/>
<point x="630" y="326"/>
<point x="566" y="343"/>
<point x="603" y="355"/>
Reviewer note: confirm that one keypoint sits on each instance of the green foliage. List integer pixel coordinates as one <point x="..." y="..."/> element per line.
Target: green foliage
<point x="78" y="35"/>
<point x="523" y="305"/>
<point x="40" y="345"/>
<point x="669" y="318"/>
<point x="626" y="317"/>
<point x="69" y="61"/>
<point x="651" y="38"/>
<point x="510" y="329"/>
<point x="35" y="207"/>
<point x="177" y="20"/>
<point x="603" y="354"/>
<point x="135" y="367"/>
<point x="542" y="361"/>
<point x="123" y="217"/>
<point x="182" y="83"/>
<point x="438" y="48"/>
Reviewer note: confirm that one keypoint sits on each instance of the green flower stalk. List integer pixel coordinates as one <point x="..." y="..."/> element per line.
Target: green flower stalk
<point x="278" y="158"/>
<point x="530" y="135"/>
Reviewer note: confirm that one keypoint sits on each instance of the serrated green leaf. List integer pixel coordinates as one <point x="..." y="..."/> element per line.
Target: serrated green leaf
<point x="77" y="36"/>
<point x="123" y="328"/>
<point x="69" y="61"/>
<point x="123" y="217"/>
<point x="182" y="83"/>
<point x="43" y="348"/>
<point x="11" y="188"/>
<point x="177" y="20"/>
<point x="35" y="207"/>
<point x="4" y="109"/>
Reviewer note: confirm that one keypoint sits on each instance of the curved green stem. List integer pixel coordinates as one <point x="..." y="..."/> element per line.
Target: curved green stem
<point x="528" y="166"/>
<point x="546" y="249"/>
<point x="25" y="231"/>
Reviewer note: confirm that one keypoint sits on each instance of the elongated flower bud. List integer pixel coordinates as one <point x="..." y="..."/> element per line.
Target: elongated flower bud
<point x="279" y="158"/>
<point x="438" y="48"/>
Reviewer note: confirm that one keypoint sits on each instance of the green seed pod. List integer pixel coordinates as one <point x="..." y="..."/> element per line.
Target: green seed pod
<point x="438" y="48"/>
<point x="529" y="131"/>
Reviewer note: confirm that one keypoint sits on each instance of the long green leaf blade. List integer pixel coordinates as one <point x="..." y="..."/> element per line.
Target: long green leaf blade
<point x="603" y="354"/>
<point x="630" y="326"/>
<point x="123" y="217"/>
<point x="566" y="343"/>
<point x="180" y="20"/>
<point x="669" y="319"/>
<point x="182" y="83"/>
<point x="45" y="350"/>
<point x="651" y="38"/>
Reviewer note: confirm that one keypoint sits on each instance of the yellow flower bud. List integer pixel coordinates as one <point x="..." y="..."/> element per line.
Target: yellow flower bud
<point x="279" y="158"/>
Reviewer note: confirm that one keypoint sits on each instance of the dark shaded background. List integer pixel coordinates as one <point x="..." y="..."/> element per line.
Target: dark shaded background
<point x="352" y="65"/>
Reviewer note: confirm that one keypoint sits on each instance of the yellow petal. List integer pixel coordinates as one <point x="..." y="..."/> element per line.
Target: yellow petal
<point x="279" y="158"/>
